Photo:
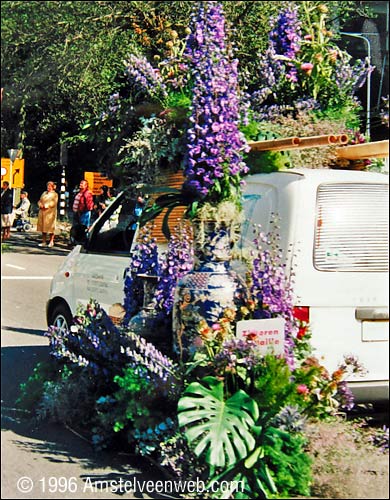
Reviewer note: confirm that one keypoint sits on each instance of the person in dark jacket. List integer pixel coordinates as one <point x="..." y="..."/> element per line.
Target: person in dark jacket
<point x="7" y="211"/>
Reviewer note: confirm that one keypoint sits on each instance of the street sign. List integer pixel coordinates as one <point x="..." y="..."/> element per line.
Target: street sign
<point x="17" y="180"/>
<point x="96" y="180"/>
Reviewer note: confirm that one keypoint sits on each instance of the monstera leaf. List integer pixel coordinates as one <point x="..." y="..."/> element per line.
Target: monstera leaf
<point x="217" y="429"/>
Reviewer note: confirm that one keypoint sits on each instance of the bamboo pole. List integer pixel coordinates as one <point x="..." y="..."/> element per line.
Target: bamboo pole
<point x="275" y="144"/>
<point x="299" y="142"/>
<point x="318" y="140"/>
<point x="379" y="149"/>
<point x="342" y="139"/>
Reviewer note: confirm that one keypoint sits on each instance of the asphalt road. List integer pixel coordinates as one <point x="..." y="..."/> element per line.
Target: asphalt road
<point x="47" y="460"/>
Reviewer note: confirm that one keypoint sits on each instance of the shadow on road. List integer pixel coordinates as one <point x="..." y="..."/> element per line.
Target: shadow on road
<point x="29" y="331"/>
<point x="17" y="364"/>
<point x="58" y="444"/>
<point x="28" y="243"/>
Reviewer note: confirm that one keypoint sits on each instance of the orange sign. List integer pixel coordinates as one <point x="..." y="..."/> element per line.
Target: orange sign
<point x="16" y="177"/>
<point x="96" y="180"/>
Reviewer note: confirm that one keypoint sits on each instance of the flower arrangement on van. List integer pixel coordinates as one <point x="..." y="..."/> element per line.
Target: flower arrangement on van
<point x="306" y="86"/>
<point x="128" y="393"/>
<point x="213" y="165"/>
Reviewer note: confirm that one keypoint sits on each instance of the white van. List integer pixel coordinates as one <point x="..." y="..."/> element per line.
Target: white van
<point x="334" y="232"/>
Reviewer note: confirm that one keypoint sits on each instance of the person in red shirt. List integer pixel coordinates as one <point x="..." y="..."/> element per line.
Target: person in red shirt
<point x="83" y="205"/>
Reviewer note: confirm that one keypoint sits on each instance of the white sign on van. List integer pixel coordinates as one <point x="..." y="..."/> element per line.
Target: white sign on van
<point x="268" y="334"/>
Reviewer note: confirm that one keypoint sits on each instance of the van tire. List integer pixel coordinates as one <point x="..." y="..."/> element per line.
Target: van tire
<point x="61" y="317"/>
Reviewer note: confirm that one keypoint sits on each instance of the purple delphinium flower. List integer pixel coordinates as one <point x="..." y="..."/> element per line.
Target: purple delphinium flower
<point x="178" y="261"/>
<point x="345" y="396"/>
<point x="271" y="288"/>
<point x="143" y="260"/>
<point x="285" y="39"/>
<point x="145" y="81"/>
<point x="277" y="70"/>
<point x="214" y="164"/>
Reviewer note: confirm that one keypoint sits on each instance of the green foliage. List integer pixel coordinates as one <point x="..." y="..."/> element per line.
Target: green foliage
<point x="32" y="390"/>
<point x="289" y="464"/>
<point x="273" y="388"/>
<point x="267" y="161"/>
<point x="136" y="400"/>
<point x="61" y="61"/>
<point x="218" y="429"/>
<point x="69" y="398"/>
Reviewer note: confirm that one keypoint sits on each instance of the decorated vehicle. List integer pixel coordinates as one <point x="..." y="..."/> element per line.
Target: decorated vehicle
<point x="333" y="228"/>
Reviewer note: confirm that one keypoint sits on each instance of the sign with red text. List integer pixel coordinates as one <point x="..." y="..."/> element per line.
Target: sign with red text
<point x="268" y="334"/>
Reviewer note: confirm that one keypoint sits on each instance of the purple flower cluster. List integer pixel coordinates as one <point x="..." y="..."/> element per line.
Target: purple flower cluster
<point x="285" y="39"/>
<point x="143" y="260"/>
<point x="271" y="288"/>
<point x="178" y="261"/>
<point x="93" y="342"/>
<point x="143" y="354"/>
<point x="114" y="106"/>
<point x="345" y="396"/>
<point x="236" y="353"/>
<point x="103" y="349"/>
<point x="214" y="164"/>
<point x="145" y="81"/>
<point x="350" y="78"/>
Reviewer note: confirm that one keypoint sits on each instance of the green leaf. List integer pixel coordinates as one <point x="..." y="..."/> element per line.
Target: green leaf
<point x="254" y="457"/>
<point x="216" y="429"/>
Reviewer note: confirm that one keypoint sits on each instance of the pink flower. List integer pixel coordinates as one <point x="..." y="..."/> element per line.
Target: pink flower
<point x="302" y="389"/>
<point x="307" y="67"/>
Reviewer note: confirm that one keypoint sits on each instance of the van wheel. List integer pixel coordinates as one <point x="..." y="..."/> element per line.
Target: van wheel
<point x="61" y="318"/>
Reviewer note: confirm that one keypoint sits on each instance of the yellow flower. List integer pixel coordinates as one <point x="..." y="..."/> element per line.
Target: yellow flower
<point x="229" y="314"/>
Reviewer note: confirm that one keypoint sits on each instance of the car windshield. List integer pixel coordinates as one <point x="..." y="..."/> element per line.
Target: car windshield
<point x="113" y="232"/>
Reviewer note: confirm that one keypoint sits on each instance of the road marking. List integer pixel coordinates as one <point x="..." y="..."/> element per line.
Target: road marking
<point x="16" y="267"/>
<point x="26" y="277"/>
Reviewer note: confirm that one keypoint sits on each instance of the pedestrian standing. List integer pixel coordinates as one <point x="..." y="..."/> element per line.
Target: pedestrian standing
<point x="7" y="210"/>
<point x="47" y="216"/>
<point x="83" y="205"/>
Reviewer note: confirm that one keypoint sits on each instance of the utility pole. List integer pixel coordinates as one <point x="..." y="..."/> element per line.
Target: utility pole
<point x="63" y="162"/>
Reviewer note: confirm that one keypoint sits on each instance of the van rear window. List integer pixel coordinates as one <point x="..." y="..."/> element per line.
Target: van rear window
<point x="351" y="231"/>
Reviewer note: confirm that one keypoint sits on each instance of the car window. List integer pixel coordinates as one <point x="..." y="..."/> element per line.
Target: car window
<point x="351" y="227"/>
<point x="112" y="232"/>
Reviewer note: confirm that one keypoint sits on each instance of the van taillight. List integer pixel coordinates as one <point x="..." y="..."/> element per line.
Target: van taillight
<point x="302" y="314"/>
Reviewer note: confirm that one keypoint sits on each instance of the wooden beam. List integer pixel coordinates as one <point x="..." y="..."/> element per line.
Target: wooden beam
<point x="379" y="149"/>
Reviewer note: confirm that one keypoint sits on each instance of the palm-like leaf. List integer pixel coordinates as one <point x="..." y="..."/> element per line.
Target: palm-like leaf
<point x="217" y="429"/>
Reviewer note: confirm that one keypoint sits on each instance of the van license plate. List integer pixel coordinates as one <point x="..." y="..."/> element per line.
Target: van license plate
<point x="375" y="331"/>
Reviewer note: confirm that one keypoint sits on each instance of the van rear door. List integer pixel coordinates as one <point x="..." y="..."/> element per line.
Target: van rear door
<point x="341" y="267"/>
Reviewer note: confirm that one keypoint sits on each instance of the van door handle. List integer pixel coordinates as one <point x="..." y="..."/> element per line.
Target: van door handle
<point x="372" y="313"/>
